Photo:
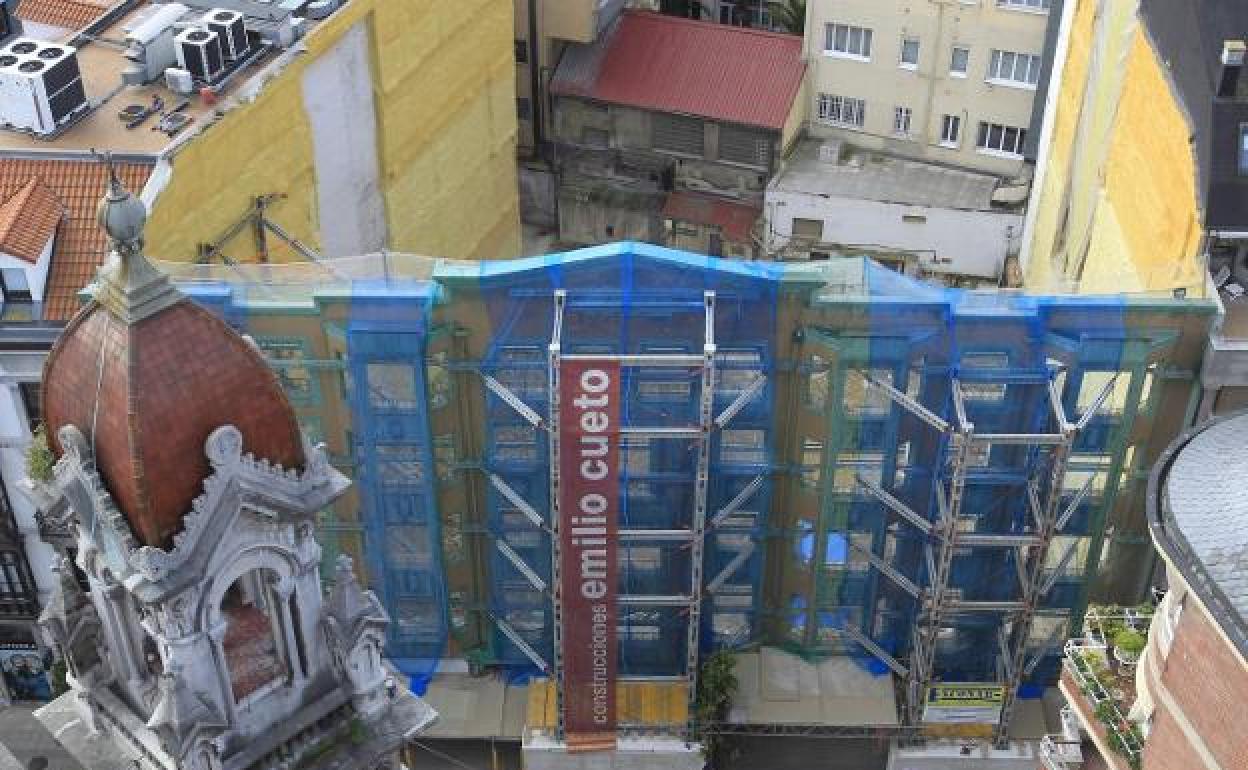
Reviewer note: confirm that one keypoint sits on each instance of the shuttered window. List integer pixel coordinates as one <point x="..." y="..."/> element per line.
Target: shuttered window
<point x="745" y="146"/>
<point x="674" y="133"/>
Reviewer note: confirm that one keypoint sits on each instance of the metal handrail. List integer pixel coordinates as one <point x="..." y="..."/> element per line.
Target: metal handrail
<point x="1097" y="693"/>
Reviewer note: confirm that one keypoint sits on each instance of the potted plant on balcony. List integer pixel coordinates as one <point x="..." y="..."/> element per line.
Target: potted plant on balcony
<point x="1128" y="645"/>
<point x="40" y="470"/>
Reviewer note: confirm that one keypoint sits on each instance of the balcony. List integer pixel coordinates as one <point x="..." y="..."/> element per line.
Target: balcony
<point x="1098" y="680"/>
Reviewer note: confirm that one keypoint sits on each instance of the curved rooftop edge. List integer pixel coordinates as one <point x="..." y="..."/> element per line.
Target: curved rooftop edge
<point x="845" y="280"/>
<point x="1198" y="517"/>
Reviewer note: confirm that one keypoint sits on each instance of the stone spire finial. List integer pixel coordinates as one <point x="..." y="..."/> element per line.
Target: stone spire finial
<point x="347" y="599"/>
<point x="130" y="286"/>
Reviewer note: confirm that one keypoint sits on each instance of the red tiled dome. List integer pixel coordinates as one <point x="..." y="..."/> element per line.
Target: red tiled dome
<point x="151" y="392"/>
<point x="147" y="375"/>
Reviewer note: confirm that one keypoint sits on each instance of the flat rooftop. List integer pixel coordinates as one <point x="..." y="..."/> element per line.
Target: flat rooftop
<point x="101" y="46"/>
<point x="837" y="169"/>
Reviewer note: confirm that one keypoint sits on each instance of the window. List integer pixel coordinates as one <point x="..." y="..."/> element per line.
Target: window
<point x="417" y="618"/>
<point x="1014" y="68"/>
<point x="950" y="130"/>
<point x="812" y="462"/>
<point x="17" y="592"/>
<point x="522" y="52"/>
<point x="744" y="13"/>
<point x="408" y="547"/>
<point x="959" y="61"/>
<point x="1024" y="5"/>
<point x="994" y="137"/>
<point x="32" y="401"/>
<point x="524" y="109"/>
<point x="842" y="110"/>
<point x="1243" y="149"/>
<point x="399" y="465"/>
<point x="744" y="146"/>
<point x="675" y="133"/>
<point x="738" y="370"/>
<point x="15" y="286"/>
<point x="515" y="444"/>
<point x="808" y="228"/>
<point x="595" y="137"/>
<point x="288" y="359"/>
<point x="391" y="386"/>
<point x="642" y="558"/>
<point x="652" y="391"/>
<point x="1068" y="555"/>
<point x="742" y="447"/>
<point x="901" y="120"/>
<point x="1093" y="383"/>
<point x="523" y="370"/>
<point x="847" y="41"/>
<point x="862" y="397"/>
<point x="910" y="53"/>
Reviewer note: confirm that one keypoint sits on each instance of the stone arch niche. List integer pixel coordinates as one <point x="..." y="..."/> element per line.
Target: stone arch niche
<point x="248" y="613"/>
<point x="253" y="646"/>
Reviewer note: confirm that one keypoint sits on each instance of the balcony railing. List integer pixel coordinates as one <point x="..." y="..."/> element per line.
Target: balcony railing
<point x="1087" y="665"/>
<point x="1060" y="753"/>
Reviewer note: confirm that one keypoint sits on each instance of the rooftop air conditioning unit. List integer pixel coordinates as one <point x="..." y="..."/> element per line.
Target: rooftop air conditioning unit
<point x="199" y="52"/>
<point x="230" y="30"/>
<point x="150" y="46"/>
<point x="42" y="87"/>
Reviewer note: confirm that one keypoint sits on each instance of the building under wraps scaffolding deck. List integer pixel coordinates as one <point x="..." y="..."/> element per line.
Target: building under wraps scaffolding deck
<point x="824" y="457"/>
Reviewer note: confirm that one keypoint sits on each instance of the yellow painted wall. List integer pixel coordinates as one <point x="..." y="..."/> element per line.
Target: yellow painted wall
<point x="1119" y="188"/>
<point x="445" y="95"/>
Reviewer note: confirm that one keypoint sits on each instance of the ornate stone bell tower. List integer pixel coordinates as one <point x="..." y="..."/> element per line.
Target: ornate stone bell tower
<point x="205" y="642"/>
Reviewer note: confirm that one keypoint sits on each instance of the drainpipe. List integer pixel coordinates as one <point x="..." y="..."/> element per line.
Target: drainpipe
<point x="536" y="113"/>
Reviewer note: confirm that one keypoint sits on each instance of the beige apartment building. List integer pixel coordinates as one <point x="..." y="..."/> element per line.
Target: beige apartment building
<point x="947" y="81"/>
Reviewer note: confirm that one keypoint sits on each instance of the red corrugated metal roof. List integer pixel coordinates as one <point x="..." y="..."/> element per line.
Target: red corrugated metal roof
<point x="734" y="219"/>
<point x="668" y="64"/>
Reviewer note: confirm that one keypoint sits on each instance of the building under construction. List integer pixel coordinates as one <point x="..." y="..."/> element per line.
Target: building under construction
<point x="922" y="487"/>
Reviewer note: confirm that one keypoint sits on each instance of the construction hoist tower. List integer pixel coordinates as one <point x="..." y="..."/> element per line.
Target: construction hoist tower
<point x="1047" y="452"/>
<point x="678" y="444"/>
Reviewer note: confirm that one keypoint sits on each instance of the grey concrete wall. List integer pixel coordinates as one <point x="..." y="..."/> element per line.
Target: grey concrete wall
<point x="630" y="131"/>
<point x="537" y="197"/>
<point x="338" y="97"/>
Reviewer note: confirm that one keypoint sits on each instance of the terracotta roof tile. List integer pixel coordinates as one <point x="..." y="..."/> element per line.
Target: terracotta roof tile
<point x="68" y="14"/>
<point x="149" y="394"/>
<point x="80" y="244"/>
<point x="28" y="219"/>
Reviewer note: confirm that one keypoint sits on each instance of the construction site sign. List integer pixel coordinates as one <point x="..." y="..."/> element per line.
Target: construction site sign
<point x="589" y="464"/>
<point x="964" y="703"/>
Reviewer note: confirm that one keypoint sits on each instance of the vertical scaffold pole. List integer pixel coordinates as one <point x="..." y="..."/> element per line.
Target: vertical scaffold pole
<point x="1048" y="520"/>
<point x="923" y="663"/>
<point x="553" y="356"/>
<point x="706" y="424"/>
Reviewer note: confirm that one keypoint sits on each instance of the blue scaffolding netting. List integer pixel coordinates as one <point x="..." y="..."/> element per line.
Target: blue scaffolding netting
<point x="846" y="388"/>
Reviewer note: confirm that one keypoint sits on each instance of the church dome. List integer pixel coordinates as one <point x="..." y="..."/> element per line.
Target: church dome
<point x="146" y="375"/>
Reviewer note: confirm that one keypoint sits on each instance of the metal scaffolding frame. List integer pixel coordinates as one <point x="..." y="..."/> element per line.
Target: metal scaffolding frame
<point x="691" y="600"/>
<point x="936" y="600"/>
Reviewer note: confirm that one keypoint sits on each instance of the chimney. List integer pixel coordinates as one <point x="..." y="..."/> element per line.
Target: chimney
<point x="1232" y="65"/>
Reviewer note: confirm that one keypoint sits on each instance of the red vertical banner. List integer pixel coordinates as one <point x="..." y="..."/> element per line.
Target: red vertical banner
<point x="589" y="504"/>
